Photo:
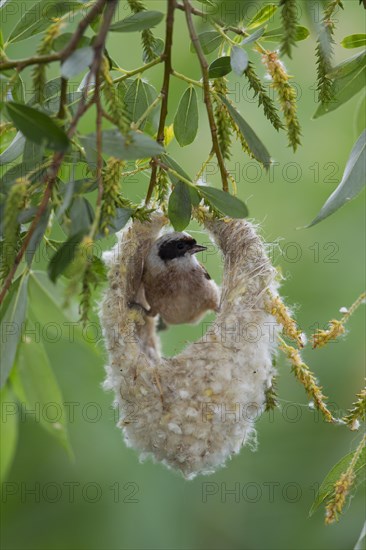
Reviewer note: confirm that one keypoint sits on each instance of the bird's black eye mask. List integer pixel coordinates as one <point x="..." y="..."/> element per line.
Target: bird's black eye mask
<point x="176" y="248"/>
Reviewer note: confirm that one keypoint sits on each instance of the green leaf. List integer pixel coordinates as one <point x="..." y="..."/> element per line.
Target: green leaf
<point x="352" y="182"/>
<point x="35" y="381"/>
<point x="138" y="22"/>
<point x="238" y="60"/>
<point x="258" y="149"/>
<point x="360" y="116"/>
<point x="327" y="487"/>
<point x="253" y="37"/>
<point x="180" y="207"/>
<point x="276" y="35"/>
<point x="123" y="215"/>
<point x="224" y="202"/>
<point x="354" y="41"/>
<point x="186" y="118"/>
<point x="17" y="90"/>
<point x="209" y="40"/>
<point x="349" y="79"/>
<point x="9" y="430"/>
<point x="133" y="146"/>
<point x="262" y="15"/>
<point x="37" y="236"/>
<point x="77" y="62"/>
<point x="12" y="318"/>
<point x="14" y="150"/>
<point x="138" y="98"/>
<point x="37" y="127"/>
<point x="40" y="16"/>
<point x="81" y="214"/>
<point x="62" y="41"/>
<point x="220" y="67"/>
<point x="64" y="256"/>
<point x="348" y="66"/>
<point x="169" y="161"/>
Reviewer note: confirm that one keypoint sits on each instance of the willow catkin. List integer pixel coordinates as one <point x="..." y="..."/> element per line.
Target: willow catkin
<point x="194" y="411"/>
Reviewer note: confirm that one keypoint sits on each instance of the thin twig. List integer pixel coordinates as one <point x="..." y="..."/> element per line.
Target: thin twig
<point x="207" y="95"/>
<point x="21" y="64"/>
<point x="63" y="99"/>
<point x="167" y="57"/>
<point x="95" y="69"/>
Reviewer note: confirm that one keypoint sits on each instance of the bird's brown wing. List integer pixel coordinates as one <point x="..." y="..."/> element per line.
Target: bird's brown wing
<point x="205" y="272"/>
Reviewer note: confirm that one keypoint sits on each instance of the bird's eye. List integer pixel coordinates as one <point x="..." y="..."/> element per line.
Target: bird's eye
<point x="180" y="246"/>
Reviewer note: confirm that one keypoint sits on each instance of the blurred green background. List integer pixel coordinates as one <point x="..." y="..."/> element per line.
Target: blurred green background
<point x="105" y="498"/>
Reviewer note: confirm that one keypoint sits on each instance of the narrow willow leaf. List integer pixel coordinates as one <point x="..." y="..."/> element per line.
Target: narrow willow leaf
<point x="40" y="16"/>
<point x="37" y="126"/>
<point x="138" y="22"/>
<point x="207" y="2"/>
<point x="77" y="62"/>
<point x="3" y="2"/>
<point x="138" y="98"/>
<point x="9" y="430"/>
<point x="361" y="543"/>
<point x="186" y="118"/>
<point x="81" y="214"/>
<point x="171" y="163"/>
<point x="224" y="202"/>
<point x="123" y="215"/>
<point x="352" y="182"/>
<point x="64" y="256"/>
<point x="61" y="41"/>
<point x="36" y="382"/>
<point x="238" y="60"/>
<point x="180" y="207"/>
<point x="14" y="150"/>
<point x="209" y="40"/>
<point x="258" y="149"/>
<point x="12" y="318"/>
<point x="327" y="486"/>
<point x="360" y="118"/>
<point x="17" y="90"/>
<point x="348" y="66"/>
<point x="354" y="41"/>
<point x="37" y="236"/>
<point x="253" y="37"/>
<point x="276" y="35"/>
<point x="133" y="146"/>
<point x="263" y="15"/>
<point x="346" y="86"/>
<point x="220" y="67"/>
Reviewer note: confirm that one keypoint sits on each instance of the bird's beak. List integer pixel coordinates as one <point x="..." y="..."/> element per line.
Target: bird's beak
<point x="197" y="248"/>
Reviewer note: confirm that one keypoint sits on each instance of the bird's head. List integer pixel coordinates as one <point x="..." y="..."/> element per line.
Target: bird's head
<point x="177" y="245"/>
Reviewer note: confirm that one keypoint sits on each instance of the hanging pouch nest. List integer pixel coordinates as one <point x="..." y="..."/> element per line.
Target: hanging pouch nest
<point x="193" y="411"/>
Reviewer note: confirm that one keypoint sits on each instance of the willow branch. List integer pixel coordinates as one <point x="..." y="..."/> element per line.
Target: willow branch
<point x="207" y="95"/>
<point x="167" y="57"/>
<point x="199" y="13"/>
<point x="21" y="64"/>
<point x="58" y="157"/>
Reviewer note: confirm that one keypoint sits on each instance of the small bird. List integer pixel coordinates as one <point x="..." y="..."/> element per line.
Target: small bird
<point x="176" y="286"/>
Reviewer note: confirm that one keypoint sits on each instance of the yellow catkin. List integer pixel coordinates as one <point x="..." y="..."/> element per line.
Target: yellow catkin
<point x="286" y="96"/>
<point x="307" y="379"/>
<point x="357" y="412"/>
<point x="336" y="327"/>
<point x="282" y="315"/>
<point x="342" y="487"/>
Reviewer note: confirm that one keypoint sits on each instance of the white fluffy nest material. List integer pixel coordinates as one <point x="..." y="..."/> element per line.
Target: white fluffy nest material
<point x="193" y="411"/>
